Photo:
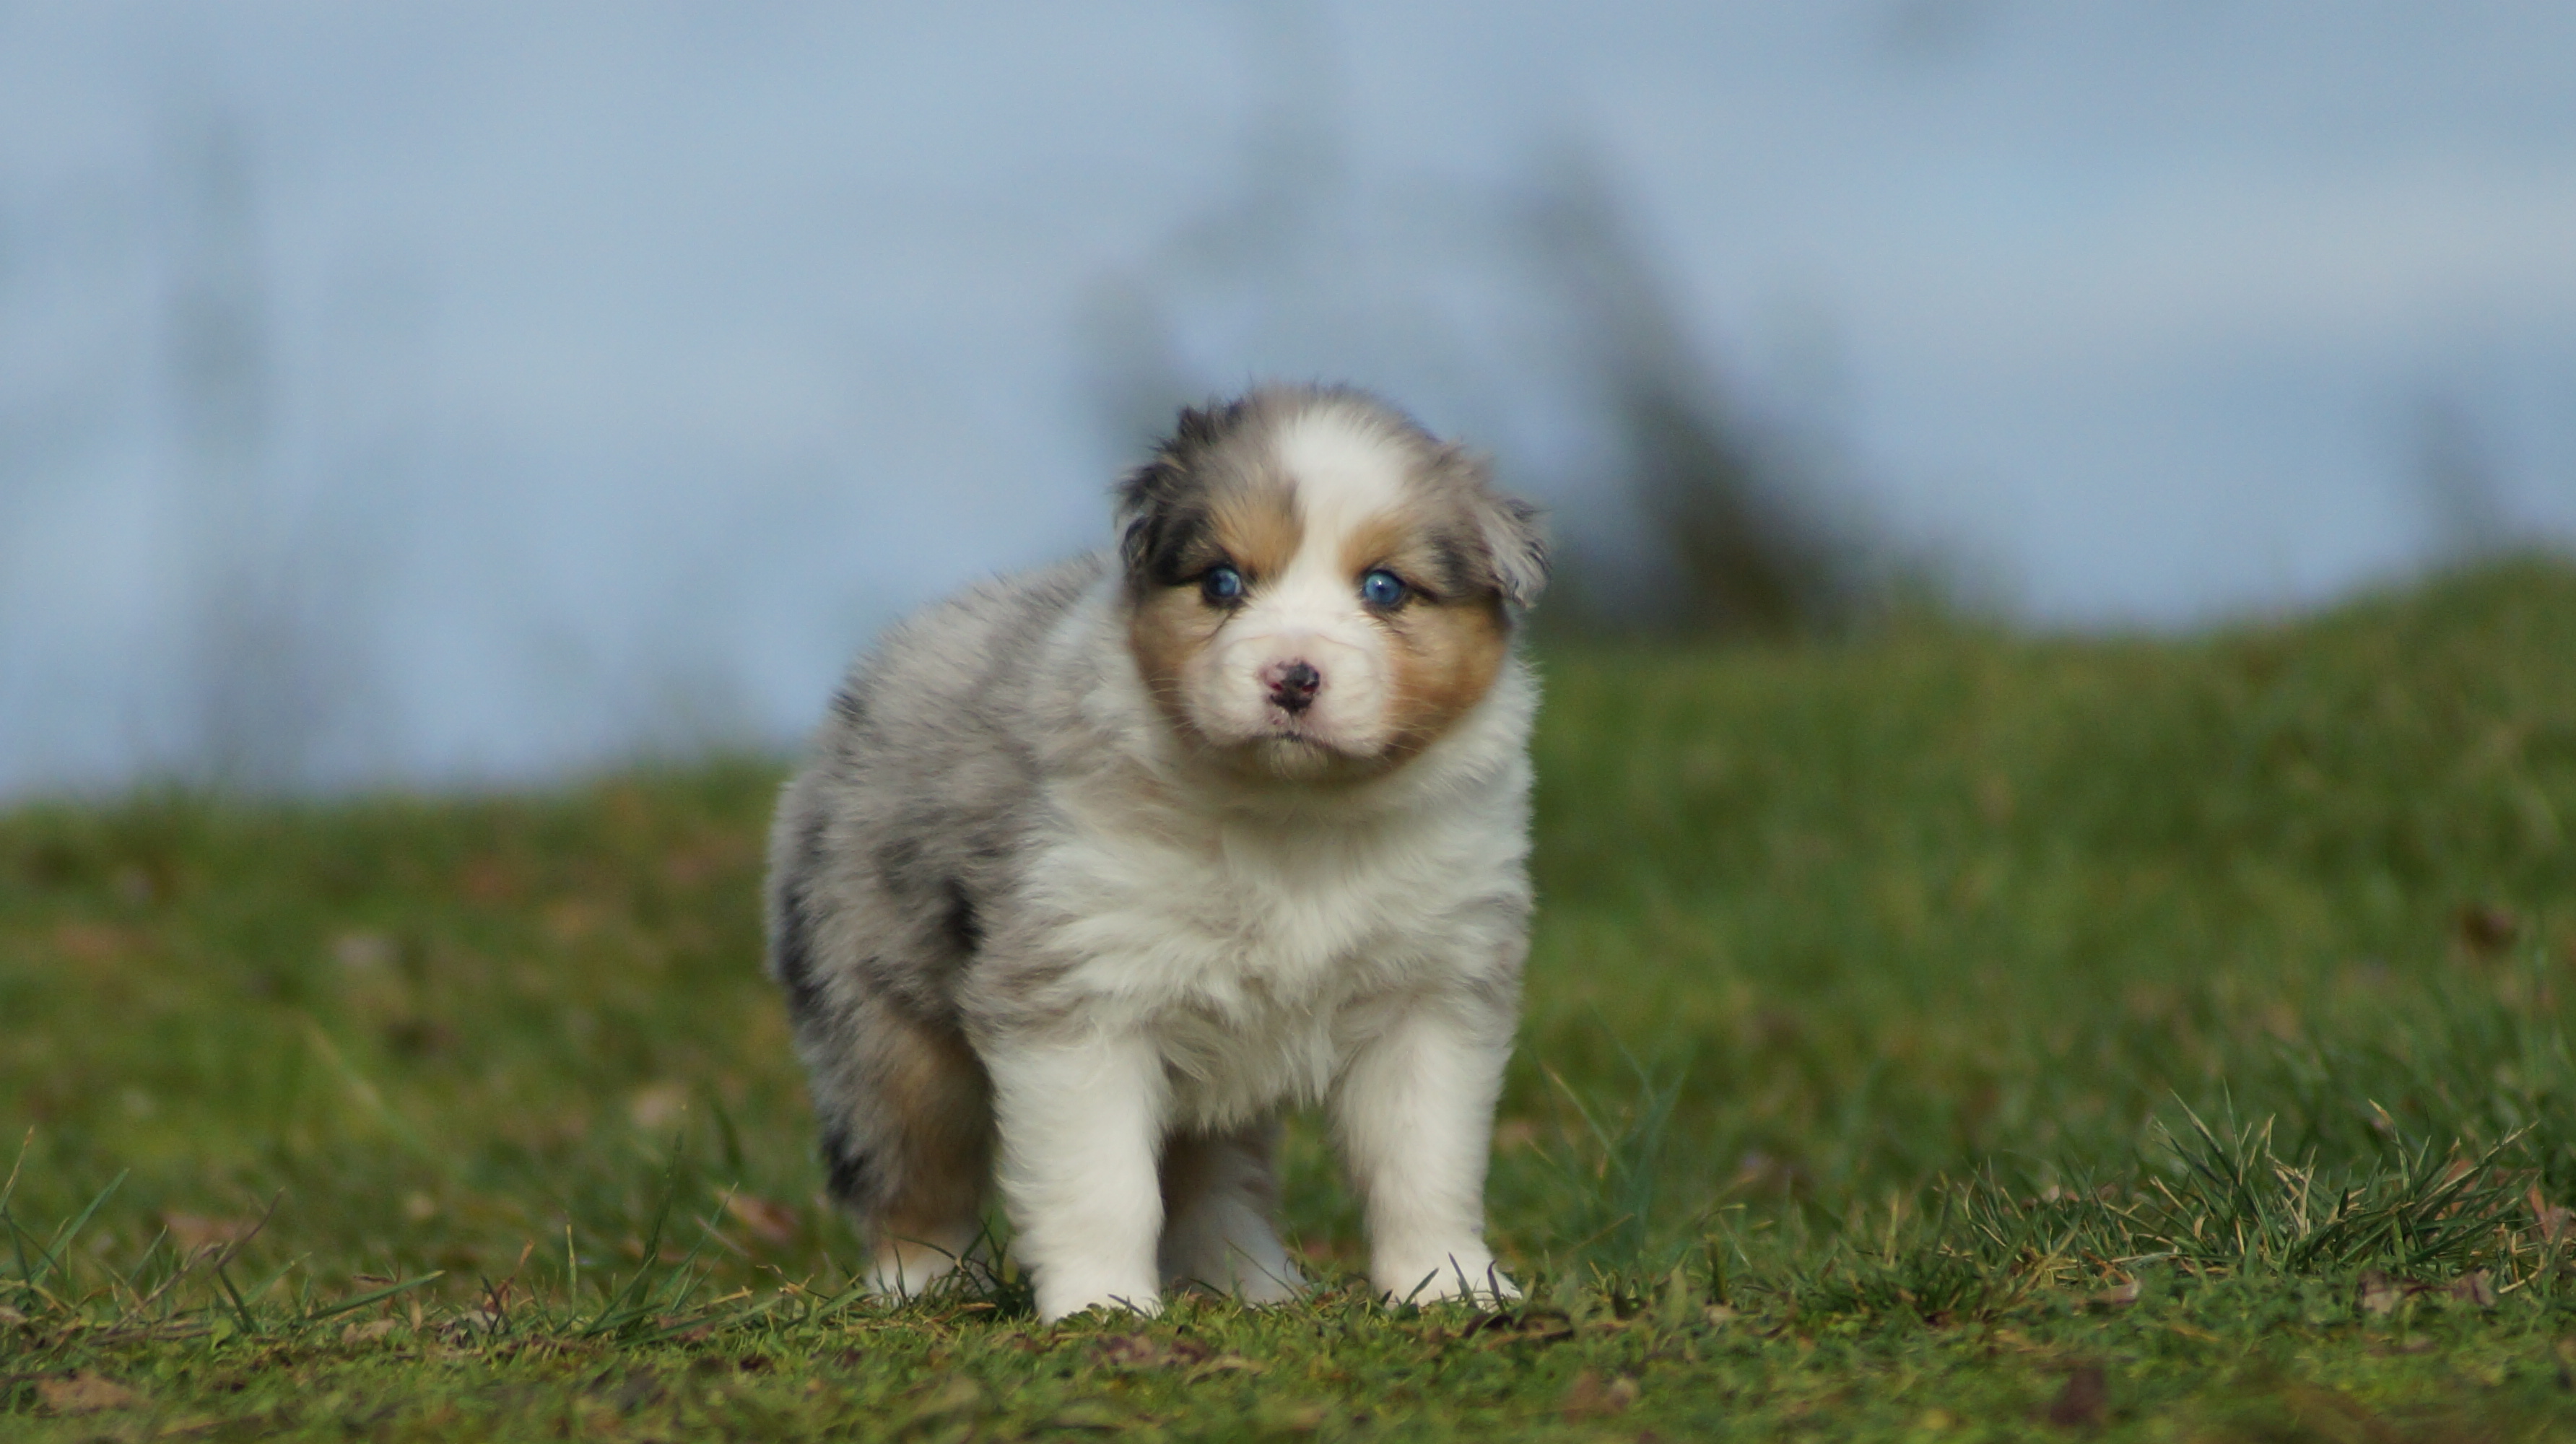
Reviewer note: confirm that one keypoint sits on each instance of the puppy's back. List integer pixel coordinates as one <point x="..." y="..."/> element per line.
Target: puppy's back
<point x="891" y="842"/>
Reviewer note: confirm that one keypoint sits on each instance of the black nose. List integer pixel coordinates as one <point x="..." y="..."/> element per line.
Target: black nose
<point x="1294" y="685"/>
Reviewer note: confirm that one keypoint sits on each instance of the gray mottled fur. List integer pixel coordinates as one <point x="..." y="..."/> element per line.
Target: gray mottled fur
<point x="891" y="857"/>
<point x="898" y="931"/>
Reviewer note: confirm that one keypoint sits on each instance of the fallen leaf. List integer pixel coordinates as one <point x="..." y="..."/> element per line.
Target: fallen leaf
<point x="1995" y="799"/>
<point x="956" y="1394"/>
<point x="1527" y="1326"/>
<point x="773" y="1223"/>
<point x="2084" y="1399"/>
<point x="2473" y="1288"/>
<point x="192" y="1232"/>
<point x="490" y="880"/>
<point x="2325" y="1413"/>
<point x="569" y="920"/>
<point x="1590" y="1398"/>
<point x="637" y="1388"/>
<point x="463" y="1329"/>
<point x="704" y="861"/>
<point x="2116" y="1296"/>
<point x="657" y="1106"/>
<point x="369" y="1332"/>
<point x="2380" y="1294"/>
<point x="94" y="942"/>
<point x="84" y="1394"/>
<point x="363" y="952"/>
<point x="9" y="1315"/>
<point x="1278" y="1417"/>
<point x="2487" y="928"/>
<point x="2552" y="1219"/>
<point x="1143" y="1351"/>
<point x="1095" y="1417"/>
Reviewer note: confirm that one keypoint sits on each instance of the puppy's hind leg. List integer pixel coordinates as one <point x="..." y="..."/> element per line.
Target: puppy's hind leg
<point x="907" y="1121"/>
<point x="1221" y="1210"/>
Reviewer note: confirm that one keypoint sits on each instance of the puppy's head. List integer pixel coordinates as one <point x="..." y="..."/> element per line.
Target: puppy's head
<point x="1318" y="587"/>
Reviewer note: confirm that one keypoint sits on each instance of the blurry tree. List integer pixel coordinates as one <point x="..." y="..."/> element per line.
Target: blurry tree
<point x="251" y="665"/>
<point x="2456" y="473"/>
<point x="1732" y="508"/>
<point x="1263" y="235"/>
<point x="1726" y="532"/>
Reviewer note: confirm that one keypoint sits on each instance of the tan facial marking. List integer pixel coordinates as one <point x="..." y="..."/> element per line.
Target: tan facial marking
<point x="1309" y="511"/>
<point x="1169" y="626"/>
<point x="1257" y="529"/>
<point x="1404" y="541"/>
<point x="1445" y="657"/>
<point x="1443" y="654"/>
<point x="1388" y="539"/>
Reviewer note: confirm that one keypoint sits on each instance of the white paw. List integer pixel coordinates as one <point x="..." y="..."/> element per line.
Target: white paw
<point x="1262" y="1287"/>
<point x="1464" y="1275"/>
<point x="1067" y="1297"/>
<point x="908" y="1268"/>
<point x="1258" y="1281"/>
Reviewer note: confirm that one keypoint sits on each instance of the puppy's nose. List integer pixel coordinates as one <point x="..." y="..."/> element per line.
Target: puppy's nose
<point x="1293" y="685"/>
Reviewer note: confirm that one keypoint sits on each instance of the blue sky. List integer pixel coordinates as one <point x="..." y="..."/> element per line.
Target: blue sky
<point x="621" y="367"/>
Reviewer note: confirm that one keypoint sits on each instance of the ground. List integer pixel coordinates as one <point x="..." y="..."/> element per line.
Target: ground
<point x="1944" y="1033"/>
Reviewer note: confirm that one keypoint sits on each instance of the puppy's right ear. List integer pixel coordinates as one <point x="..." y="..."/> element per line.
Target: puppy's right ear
<point x="1147" y="502"/>
<point x="1155" y="518"/>
<point x="1135" y="523"/>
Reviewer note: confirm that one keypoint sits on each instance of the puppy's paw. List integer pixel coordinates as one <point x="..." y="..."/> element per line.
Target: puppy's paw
<point x="1256" y="1270"/>
<point x="1063" y="1298"/>
<point x="1463" y="1275"/>
<point x="1260" y="1286"/>
<point x="1266" y="1286"/>
<point x="909" y="1268"/>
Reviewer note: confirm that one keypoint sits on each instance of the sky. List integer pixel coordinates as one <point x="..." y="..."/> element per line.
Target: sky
<point x="463" y="393"/>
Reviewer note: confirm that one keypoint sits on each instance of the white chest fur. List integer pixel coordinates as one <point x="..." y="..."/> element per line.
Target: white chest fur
<point x="1257" y="952"/>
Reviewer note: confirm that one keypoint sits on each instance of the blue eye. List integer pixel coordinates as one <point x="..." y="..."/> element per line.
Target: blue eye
<point x="1221" y="584"/>
<point x="1382" y="588"/>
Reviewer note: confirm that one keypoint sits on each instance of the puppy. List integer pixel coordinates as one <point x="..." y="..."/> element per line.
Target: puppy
<point x="1096" y="869"/>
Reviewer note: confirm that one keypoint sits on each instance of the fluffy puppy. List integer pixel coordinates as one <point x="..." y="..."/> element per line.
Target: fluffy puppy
<point x="1096" y="869"/>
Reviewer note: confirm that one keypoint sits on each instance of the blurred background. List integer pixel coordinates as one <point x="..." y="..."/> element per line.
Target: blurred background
<point x="461" y="393"/>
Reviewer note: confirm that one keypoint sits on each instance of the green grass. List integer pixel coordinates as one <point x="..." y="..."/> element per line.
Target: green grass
<point x="1949" y="1034"/>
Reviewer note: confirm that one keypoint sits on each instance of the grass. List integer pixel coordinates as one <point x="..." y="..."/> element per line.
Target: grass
<point x="1950" y="1034"/>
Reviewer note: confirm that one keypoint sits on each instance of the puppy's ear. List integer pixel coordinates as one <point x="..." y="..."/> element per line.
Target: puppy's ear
<point x="1135" y="523"/>
<point x="1516" y="541"/>
<point x="1155" y="515"/>
<point x="1511" y="533"/>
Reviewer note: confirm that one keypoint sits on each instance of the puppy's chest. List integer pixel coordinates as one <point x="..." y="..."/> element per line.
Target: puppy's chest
<point x="1255" y="970"/>
<point x="1245" y="924"/>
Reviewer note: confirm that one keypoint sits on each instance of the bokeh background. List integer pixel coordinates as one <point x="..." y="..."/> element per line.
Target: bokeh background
<point x="431" y="394"/>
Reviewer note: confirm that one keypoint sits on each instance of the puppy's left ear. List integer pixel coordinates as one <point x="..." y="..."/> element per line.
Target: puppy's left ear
<point x="1516" y="542"/>
<point x="1510" y="533"/>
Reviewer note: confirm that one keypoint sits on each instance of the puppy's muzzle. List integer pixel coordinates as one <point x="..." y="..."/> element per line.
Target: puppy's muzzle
<point x="1292" y="684"/>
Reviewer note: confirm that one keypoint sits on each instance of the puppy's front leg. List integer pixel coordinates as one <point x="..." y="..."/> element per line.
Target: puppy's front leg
<point x="1080" y="1120"/>
<point x="1415" y="1114"/>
